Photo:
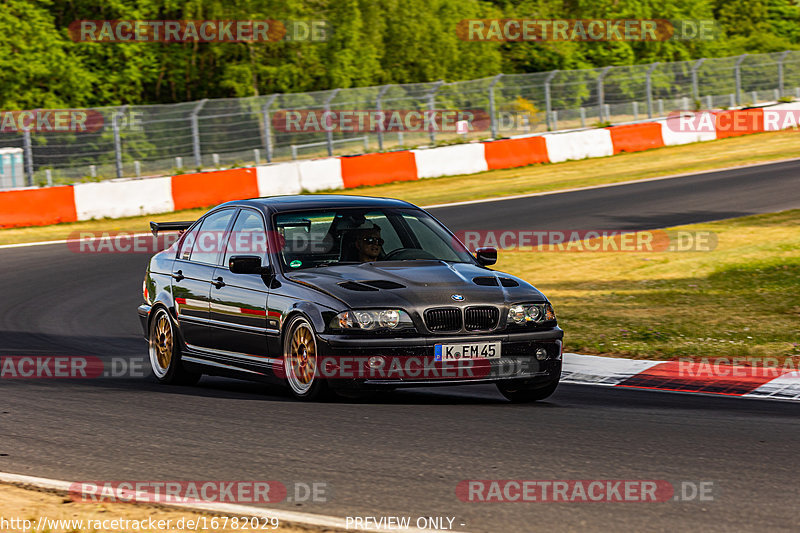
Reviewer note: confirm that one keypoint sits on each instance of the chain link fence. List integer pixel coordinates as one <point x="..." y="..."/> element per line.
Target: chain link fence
<point x="162" y="139"/>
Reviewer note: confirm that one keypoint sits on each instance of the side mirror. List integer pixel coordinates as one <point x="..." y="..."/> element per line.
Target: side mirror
<point x="247" y="264"/>
<point x="486" y="256"/>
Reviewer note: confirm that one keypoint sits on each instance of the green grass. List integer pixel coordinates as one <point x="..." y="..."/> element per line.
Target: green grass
<point x="739" y="300"/>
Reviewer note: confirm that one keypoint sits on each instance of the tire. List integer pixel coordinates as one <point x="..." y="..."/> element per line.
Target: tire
<point x="301" y="362"/>
<point x="164" y="348"/>
<point x="529" y="393"/>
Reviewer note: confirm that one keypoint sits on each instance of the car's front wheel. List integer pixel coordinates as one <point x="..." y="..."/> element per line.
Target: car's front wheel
<point x="301" y="361"/>
<point x="519" y="393"/>
<point x="165" y="352"/>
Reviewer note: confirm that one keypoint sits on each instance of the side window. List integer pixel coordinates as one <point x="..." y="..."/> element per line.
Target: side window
<point x="211" y="237"/>
<point x="188" y="243"/>
<point x="249" y="237"/>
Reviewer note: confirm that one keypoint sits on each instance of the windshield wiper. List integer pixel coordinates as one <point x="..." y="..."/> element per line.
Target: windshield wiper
<point x="336" y="263"/>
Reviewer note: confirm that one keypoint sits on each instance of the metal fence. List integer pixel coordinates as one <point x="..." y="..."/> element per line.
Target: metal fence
<point x="159" y="139"/>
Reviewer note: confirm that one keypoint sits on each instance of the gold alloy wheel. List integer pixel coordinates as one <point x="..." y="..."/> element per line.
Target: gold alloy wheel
<point x="300" y="358"/>
<point x="161" y="340"/>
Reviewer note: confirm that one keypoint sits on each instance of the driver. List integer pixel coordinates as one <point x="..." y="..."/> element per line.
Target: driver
<point x="369" y="244"/>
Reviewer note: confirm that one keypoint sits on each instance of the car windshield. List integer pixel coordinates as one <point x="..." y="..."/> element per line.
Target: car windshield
<point x="312" y="239"/>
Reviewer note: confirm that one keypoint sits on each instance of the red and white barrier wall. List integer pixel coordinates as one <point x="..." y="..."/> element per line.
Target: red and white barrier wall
<point x="122" y="198"/>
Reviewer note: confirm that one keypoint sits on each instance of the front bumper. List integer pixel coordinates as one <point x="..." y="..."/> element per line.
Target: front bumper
<point x="144" y="315"/>
<point x="344" y="360"/>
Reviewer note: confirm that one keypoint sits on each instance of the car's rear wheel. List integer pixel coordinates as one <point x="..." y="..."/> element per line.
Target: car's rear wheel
<point x="519" y="393"/>
<point x="165" y="352"/>
<point x="301" y="361"/>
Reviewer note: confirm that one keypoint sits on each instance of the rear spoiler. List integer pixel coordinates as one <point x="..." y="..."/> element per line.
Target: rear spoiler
<point x="156" y="227"/>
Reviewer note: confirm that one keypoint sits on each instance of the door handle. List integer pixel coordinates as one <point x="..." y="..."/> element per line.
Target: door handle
<point x="177" y="276"/>
<point x="218" y="283"/>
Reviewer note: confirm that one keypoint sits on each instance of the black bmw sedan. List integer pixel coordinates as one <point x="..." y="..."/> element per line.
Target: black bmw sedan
<point x="335" y="293"/>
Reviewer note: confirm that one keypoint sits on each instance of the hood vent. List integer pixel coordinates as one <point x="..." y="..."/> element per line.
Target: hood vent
<point x="355" y="286"/>
<point x="370" y="285"/>
<point x="384" y="284"/>
<point x="485" y="281"/>
<point x="508" y="282"/>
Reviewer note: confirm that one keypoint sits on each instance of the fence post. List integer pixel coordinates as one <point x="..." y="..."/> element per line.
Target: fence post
<point x="738" y="72"/>
<point x="379" y="108"/>
<point x="695" y="89"/>
<point x="781" y="58"/>
<point x="548" y="104"/>
<point x="13" y="169"/>
<point x="268" y="127"/>
<point x="649" y="89"/>
<point x="600" y="94"/>
<point x="328" y="132"/>
<point x="26" y="139"/>
<point x="117" y="139"/>
<point x="431" y="107"/>
<point x="492" y="107"/>
<point x="198" y="162"/>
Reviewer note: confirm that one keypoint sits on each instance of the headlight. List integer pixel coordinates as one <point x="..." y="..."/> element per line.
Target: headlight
<point x="530" y="313"/>
<point x="370" y="319"/>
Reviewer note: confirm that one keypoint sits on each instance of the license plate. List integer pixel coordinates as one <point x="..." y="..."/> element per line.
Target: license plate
<point x="476" y="350"/>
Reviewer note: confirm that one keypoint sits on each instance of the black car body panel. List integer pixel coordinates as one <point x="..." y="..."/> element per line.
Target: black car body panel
<point x="232" y="324"/>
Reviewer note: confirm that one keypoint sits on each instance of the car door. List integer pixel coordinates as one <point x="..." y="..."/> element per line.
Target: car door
<point x="192" y="271"/>
<point x="238" y="302"/>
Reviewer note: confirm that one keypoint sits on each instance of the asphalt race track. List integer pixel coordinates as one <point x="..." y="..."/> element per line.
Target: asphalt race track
<point x="404" y="452"/>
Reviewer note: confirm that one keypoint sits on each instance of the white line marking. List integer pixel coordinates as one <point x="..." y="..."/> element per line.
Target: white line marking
<point x="310" y="519"/>
<point x="65" y="241"/>
<point x="26" y="244"/>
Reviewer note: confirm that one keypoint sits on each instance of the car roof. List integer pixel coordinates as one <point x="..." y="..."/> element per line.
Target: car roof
<point x="318" y="201"/>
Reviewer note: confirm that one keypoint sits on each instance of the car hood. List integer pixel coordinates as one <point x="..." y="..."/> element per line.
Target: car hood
<point x="417" y="283"/>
